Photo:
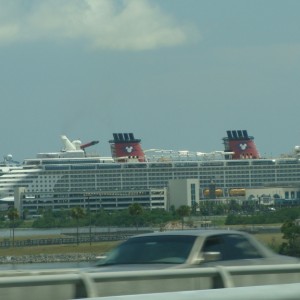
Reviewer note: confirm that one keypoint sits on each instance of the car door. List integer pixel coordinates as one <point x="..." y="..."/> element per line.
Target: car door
<point x="233" y="249"/>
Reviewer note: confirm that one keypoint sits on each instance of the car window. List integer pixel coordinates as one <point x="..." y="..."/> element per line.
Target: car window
<point x="239" y="247"/>
<point x="231" y="247"/>
<point x="152" y="249"/>
<point x="214" y="244"/>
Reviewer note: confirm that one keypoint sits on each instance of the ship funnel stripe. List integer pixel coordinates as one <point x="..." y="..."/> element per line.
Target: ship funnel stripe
<point x="240" y="134"/>
<point x="237" y="134"/>
<point x="124" y="138"/>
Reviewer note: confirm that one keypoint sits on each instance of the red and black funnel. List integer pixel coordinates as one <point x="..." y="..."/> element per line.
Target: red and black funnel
<point x="241" y="144"/>
<point x="125" y="147"/>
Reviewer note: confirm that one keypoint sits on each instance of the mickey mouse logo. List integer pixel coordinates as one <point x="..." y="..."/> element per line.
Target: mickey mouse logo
<point x="243" y="146"/>
<point x="129" y="149"/>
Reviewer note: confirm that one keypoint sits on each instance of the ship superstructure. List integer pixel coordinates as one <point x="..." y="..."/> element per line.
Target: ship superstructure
<point x="72" y="176"/>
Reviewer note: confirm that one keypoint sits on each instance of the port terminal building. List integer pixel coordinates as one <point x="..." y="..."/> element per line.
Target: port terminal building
<point x="178" y="192"/>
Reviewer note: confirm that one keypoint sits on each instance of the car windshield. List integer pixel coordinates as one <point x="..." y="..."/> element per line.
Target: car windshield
<point x="166" y="249"/>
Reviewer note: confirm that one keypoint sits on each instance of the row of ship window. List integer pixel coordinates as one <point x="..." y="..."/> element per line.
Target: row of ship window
<point x="163" y="181"/>
<point x="189" y="172"/>
<point x="290" y="174"/>
<point x="227" y="176"/>
<point x="96" y="163"/>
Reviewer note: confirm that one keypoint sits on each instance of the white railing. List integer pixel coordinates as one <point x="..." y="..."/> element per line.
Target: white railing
<point x="75" y="283"/>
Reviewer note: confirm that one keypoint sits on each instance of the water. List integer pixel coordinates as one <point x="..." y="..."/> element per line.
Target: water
<point x="21" y="232"/>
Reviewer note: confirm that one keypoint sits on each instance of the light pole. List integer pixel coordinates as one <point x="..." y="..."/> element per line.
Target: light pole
<point x="109" y="214"/>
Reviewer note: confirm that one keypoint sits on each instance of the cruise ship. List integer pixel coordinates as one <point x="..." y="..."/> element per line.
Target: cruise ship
<point x="73" y="176"/>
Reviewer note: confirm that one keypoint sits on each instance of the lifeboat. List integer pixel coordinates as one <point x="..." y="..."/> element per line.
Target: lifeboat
<point x="237" y="192"/>
<point x="217" y="192"/>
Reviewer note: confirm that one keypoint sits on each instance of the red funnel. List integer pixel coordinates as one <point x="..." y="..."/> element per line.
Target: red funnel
<point x="241" y="144"/>
<point x="124" y="147"/>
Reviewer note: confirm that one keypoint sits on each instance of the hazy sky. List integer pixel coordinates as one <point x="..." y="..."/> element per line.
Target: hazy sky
<point x="176" y="73"/>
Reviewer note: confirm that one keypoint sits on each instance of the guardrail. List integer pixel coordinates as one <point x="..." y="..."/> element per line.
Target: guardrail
<point x="270" y="292"/>
<point x="86" y="283"/>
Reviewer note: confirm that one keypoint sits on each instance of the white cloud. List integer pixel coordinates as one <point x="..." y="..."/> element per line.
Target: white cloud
<point x="110" y="24"/>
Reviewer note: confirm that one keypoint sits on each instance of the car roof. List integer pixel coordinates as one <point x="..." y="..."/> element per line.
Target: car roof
<point x="193" y="232"/>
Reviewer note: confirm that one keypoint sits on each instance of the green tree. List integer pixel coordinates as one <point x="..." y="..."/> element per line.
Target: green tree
<point x="13" y="215"/>
<point x="77" y="213"/>
<point x="195" y="208"/>
<point x="291" y="233"/>
<point x="183" y="211"/>
<point x="25" y="213"/>
<point x="234" y="206"/>
<point x="135" y="210"/>
<point x="47" y="219"/>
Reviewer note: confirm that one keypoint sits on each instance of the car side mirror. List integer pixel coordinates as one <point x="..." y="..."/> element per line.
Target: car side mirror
<point x="211" y="256"/>
<point x="100" y="257"/>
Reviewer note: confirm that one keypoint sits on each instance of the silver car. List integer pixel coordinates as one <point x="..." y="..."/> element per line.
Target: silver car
<point x="190" y="248"/>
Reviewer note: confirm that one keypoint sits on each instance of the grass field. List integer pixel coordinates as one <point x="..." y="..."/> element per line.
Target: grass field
<point x="98" y="248"/>
<point x="272" y="240"/>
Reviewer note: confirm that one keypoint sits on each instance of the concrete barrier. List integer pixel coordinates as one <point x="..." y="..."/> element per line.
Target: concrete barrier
<point x="78" y="283"/>
<point x="267" y="292"/>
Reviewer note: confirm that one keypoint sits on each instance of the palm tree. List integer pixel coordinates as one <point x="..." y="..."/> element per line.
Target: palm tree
<point x="183" y="211"/>
<point x="77" y="213"/>
<point x="13" y="214"/>
<point x="135" y="210"/>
